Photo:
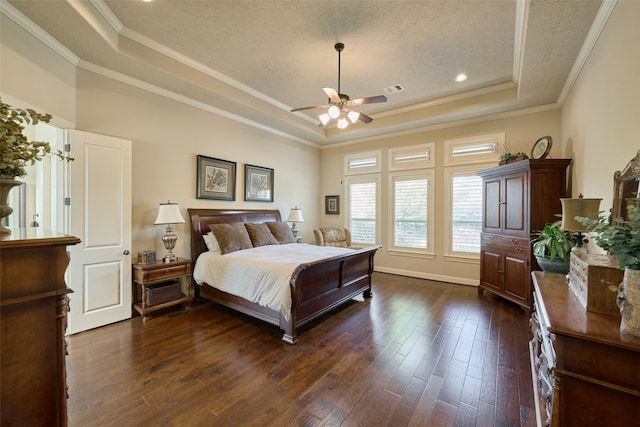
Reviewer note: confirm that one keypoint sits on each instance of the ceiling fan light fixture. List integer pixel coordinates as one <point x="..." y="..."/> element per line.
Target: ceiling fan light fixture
<point x="334" y="112"/>
<point x="324" y="118"/>
<point x="353" y="116"/>
<point x="342" y="123"/>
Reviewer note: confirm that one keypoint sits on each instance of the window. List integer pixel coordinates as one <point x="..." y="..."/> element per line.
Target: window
<point x="411" y="211"/>
<point x="463" y="159"/>
<point x="363" y="208"/>
<point x="414" y="157"/>
<point x="474" y="149"/>
<point x="466" y="212"/>
<point x="362" y="163"/>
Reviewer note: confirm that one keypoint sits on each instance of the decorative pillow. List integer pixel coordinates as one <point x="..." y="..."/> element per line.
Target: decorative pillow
<point x="260" y="234"/>
<point x="231" y="237"/>
<point x="281" y="232"/>
<point x="211" y="242"/>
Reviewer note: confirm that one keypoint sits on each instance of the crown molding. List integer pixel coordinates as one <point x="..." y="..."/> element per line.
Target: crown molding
<point x="16" y="16"/>
<point x="590" y="41"/>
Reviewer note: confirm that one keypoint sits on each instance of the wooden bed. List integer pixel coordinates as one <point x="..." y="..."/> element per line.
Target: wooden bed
<point x="316" y="287"/>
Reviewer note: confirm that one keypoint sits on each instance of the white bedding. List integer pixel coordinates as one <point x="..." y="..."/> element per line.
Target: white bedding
<point x="261" y="274"/>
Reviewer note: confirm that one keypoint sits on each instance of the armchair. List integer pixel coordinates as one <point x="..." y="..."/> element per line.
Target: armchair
<point x="333" y="236"/>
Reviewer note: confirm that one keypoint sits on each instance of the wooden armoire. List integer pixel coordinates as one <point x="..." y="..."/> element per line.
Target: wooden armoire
<point x="519" y="198"/>
<point x="33" y="308"/>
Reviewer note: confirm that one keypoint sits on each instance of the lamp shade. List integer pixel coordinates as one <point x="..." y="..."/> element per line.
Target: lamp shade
<point x="296" y="215"/>
<point x="571" y="208"/>
<point x="169" y="213"/>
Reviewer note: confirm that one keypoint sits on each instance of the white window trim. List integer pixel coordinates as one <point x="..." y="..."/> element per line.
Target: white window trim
<point x="370" y="163"/>
<point x="429" y="252"/>
<point x="348" y="180"/>
<point x="482" y="149"/>
<point x="449" y="172"/>
<point x="413" y="157"/>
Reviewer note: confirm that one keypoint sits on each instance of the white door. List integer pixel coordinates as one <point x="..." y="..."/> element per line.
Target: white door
<point x="100" y="215"/>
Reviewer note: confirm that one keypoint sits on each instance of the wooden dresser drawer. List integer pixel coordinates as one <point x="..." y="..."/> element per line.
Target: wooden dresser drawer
<point x="491" y="241"/>
<point x="594" y="280"/>
<point x="519" y="245"/>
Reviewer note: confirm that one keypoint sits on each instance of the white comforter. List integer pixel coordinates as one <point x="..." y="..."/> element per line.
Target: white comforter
<point x="261" y="274"/>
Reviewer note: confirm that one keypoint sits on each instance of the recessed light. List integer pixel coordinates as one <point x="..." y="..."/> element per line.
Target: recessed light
<point x="461" y="77"/>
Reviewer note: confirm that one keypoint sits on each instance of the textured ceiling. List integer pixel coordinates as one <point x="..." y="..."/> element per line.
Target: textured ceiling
<point x="255" y="60"/>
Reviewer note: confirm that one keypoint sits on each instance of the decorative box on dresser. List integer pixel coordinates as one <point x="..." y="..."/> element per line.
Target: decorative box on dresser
<point x="585" y="372"/>
<point x="33" y="304"/>
<point x="519" y="198"/>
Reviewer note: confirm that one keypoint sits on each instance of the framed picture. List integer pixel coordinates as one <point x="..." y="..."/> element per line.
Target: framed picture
<point x="258" y="184"/>
<point x="332" y="205"/>
<point x="216" y="179"/>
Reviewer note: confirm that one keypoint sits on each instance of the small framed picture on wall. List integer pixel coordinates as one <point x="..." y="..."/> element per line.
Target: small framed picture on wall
<point x="332" y="205"/>
<point x="216" y="179"/>
<point x="258" y="184"/>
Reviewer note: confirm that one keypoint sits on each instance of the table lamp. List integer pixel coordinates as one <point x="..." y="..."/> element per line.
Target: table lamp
<point x="169" y="213"/>
<point x="571" y="208"/>
<point x="295" y="216"/>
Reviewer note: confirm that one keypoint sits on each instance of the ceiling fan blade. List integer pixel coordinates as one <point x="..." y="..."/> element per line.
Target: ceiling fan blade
<point x="332" y="94"/>
<point x="364" y="118"/>
<point x="369" y="100"/>
<point x="310" y="107"/>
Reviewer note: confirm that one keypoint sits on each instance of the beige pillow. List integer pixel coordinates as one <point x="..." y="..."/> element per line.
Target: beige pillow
<point x="260" y="234"/>
<point x="231" y="237"/>
<point x="281" y="232"/>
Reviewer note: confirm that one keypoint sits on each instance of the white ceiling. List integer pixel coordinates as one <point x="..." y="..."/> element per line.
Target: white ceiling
<point x="255" y="60"/>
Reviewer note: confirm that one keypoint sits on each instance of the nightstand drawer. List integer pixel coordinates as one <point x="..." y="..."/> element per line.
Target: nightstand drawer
<point x="165" y="273"/>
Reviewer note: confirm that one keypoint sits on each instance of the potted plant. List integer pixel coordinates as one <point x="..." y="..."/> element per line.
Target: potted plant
<point x="512" y="157"/>
<point x="621" y="239"/>
<point x="552" y="248"/>
<point x="17" y="152"/>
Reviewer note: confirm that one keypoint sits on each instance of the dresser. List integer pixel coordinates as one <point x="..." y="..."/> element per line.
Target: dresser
<point x="518" y="198"/>
<point x="585" y="372"/>
<point x="33" y="307"/>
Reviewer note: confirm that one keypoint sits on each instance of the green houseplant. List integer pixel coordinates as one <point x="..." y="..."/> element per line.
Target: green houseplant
<point x="621" y="239"/>
<point x="552" y="248"/>
<point x="17" y="152"/>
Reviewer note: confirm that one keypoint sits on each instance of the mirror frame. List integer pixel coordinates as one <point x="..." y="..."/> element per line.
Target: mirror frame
<point x="625" y="186"/>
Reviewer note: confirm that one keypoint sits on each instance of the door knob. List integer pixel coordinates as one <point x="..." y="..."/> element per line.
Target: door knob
<point x="126" y="252"/>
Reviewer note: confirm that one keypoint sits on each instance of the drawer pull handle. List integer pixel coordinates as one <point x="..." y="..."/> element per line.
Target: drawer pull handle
<point x="514" y="241"/>
<point x="519" y="250"/>
<point x="166" y="272"/>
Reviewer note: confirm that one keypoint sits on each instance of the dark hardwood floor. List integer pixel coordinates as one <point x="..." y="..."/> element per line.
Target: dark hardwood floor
<point x="419" y="353"/>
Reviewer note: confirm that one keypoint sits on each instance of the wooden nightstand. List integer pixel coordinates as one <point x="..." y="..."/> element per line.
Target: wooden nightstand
<point x="147" y="275"/>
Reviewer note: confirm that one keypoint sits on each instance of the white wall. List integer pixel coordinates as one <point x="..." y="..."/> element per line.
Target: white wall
<point x="167" y="137"/>
<point x="34" y="74"/>
<point x="601" y="116"/>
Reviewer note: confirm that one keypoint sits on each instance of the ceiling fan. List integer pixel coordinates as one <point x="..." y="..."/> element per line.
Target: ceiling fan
<point x="340" y="106"/>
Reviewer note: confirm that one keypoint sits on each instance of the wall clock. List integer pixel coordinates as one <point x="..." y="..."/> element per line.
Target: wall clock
<point x="541" y="148"/>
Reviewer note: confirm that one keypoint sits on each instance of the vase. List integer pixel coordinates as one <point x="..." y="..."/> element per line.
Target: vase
<point x="552" y="266"/>
<point x="6" y="184"/>
<point x="629" y="302"/>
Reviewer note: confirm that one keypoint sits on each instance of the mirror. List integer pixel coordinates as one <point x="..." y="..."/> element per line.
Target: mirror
<point x="625" y="188"/>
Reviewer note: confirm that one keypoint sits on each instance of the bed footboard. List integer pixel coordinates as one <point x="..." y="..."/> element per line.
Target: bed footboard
<point x="319" y="287"/>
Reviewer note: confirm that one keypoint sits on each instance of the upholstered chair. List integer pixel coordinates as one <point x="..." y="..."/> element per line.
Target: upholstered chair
<point x="333" y="236"/>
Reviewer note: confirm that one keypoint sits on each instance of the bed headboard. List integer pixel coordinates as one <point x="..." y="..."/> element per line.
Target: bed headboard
<point x="201" y="218"/>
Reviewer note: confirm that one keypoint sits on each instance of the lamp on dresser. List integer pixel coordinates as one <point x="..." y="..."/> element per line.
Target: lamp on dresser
<point x="294" y="217"/>
<point x="169" y="213"/>
<point x="578" y="207"/>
